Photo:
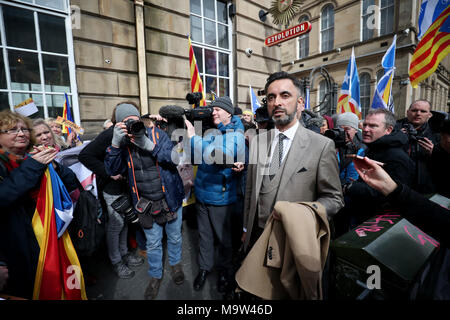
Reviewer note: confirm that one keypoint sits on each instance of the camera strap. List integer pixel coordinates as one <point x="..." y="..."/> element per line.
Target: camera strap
<point x="135" y="189"/>
<point x="156" y="161"/>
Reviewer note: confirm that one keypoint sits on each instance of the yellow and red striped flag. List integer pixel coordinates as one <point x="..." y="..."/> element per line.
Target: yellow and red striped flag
<point x="432" y="48"/>
<point x="58" y="273"/>
<point x="196" y="80"/>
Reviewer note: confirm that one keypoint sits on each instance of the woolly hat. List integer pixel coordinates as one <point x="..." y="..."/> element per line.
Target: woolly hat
<point x="224" y="103"/>
<point x="248" y="112"/>
<point x="347" y="119"/>
<point x="124" y="110"/>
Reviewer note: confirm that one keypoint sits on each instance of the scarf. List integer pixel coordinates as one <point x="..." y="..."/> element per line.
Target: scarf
<point x="10" y="160"/>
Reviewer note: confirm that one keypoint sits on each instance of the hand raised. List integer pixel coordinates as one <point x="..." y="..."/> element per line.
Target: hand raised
<point x="44" y="156"/>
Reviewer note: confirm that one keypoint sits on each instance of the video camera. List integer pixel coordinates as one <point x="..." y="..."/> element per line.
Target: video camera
<point x="199" y="113"/>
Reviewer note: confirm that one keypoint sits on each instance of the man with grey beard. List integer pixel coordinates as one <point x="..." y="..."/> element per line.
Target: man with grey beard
<point x="289" y="162"/>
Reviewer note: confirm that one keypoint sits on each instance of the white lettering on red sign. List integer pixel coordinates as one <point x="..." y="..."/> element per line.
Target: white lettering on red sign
<point x="288" y="34"/>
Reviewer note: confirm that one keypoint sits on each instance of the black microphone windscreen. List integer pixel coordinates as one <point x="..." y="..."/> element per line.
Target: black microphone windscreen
<point x="171" y="112"/>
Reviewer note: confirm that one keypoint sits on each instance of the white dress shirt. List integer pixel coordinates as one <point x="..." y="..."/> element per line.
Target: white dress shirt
<point x="289" y="133"/>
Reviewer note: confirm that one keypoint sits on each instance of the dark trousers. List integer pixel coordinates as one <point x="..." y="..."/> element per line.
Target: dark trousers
<point x="215" y="220"/>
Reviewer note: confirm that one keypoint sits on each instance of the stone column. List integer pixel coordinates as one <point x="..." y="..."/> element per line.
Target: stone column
<point x="140" y="46"/>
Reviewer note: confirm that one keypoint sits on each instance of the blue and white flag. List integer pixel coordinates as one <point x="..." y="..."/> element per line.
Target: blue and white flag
<point x="307" y="103"/>
<point x="62" y="203"/>
<point x="383" y="92"/>
<point x="349" y="98"/>
<point x="429" y="12"/>
<point x="254" y="100"/>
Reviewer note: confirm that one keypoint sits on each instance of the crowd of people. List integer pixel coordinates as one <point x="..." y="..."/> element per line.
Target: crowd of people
<point x="337" y="170"/>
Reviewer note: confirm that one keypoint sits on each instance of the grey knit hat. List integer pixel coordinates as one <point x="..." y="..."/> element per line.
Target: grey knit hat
<point x="124" y="110"/>
<point x="224" y="103"/>
<point x="347" y="119"/>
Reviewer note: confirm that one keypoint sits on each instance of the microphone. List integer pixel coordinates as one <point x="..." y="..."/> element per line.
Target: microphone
<point x="170" y="112"/>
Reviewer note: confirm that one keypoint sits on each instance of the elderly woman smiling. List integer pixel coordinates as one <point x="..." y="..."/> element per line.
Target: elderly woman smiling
<point x="21" y="168"/>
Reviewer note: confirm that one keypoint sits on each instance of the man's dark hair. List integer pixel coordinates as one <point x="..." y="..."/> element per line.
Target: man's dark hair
<point x="282" y="75"/>
<point x="389" y="117"/>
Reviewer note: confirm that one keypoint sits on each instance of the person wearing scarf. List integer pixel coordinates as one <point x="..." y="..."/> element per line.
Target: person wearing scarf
<point x="22" y="167"/>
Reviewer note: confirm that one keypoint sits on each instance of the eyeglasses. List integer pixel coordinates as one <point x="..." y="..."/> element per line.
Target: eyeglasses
<point x="16" y="130"/>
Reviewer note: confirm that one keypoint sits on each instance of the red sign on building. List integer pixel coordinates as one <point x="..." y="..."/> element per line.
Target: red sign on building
<point x="287" y="34"/>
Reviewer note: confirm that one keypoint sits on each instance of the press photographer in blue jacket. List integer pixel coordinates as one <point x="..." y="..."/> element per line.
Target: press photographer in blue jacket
<point x="222" y="154"/>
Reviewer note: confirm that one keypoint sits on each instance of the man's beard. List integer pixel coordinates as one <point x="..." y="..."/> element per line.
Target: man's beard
<point x="284" y="120"/>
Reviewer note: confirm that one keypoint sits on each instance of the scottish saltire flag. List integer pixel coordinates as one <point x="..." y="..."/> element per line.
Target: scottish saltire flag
<point x="58" y="273"/>
<point x="349" y="97"/>
<point x="196" y="81"/>
<point x="383" y="92"/>
<point x="429" y="12"/>
<point x="434" y="44"/>
<point x="254" y="100"/>
<point x="307" y="103"/>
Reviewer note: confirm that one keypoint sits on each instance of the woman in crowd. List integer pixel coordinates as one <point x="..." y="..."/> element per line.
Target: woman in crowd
<point x="59" y="137"/>
<point x="21" y="169"/>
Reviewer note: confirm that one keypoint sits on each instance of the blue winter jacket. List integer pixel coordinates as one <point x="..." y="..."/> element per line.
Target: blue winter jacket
<point x="117" y="161"/>
<point x="216" y="183"/>
<point x="348" y="174"/>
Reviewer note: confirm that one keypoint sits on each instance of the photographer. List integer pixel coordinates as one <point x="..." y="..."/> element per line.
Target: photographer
<point x="145" y="157"/>
<point x="111" y="187"/>
<point x="347" y="139"/>
<point x="421" y="142"/>
<point x="384" y="144"/>
<point x="216" y="186"/>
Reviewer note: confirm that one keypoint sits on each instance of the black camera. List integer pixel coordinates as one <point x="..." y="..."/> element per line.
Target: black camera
<point x="123" y="206"/>
<point x="203" y="114"/>
<point x="134" y="126"/>
<point x="337" y="135"/>
<point x="411" y="132"/>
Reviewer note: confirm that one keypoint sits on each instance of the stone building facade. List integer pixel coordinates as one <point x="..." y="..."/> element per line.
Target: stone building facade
<point x="368" y="26"/>
<point x="102" y="52"/>
<point x="111" y="67"/>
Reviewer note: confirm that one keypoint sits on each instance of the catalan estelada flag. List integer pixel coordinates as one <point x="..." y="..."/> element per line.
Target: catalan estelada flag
<point x="67" y="114"/>
<point x="349" y="100"/>
<point x="196" y="80"/>
<point x="435" y="42"/>
<point x="58" y="274"/>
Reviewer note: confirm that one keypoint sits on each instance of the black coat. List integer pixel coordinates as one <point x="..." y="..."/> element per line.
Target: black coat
<point x="422" y="180"/>
<point x="93" y="156"/>
<point x="425" y="214"/>
<point x="17" y="239"/>
<point x="388" y="150"/>
<point x="440" y="171"/>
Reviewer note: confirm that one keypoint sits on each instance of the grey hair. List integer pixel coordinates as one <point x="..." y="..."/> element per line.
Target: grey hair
<point x="389" y="117"/>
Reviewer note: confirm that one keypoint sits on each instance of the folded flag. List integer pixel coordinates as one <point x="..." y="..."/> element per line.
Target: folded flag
<point x="58" y="274"/>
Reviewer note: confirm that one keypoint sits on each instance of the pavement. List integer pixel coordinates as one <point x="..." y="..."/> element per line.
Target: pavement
<point x="110" y="287"/>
